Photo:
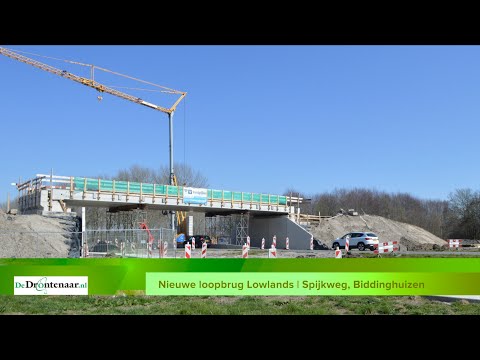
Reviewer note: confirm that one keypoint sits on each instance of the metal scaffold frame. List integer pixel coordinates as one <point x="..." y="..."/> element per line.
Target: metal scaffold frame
<point x="241" y="227"/>
<point x="220" y="226"/>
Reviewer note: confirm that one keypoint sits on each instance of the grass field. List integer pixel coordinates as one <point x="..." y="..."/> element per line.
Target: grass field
<point x="230" y="305"/>
<point x="138" y="304"/>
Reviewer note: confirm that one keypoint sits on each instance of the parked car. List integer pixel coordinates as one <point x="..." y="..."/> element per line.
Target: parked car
<point x="223" y="241"/>
<point x="359" y="240"/>
<point x="180" y="240"/>
<point x="199" y="239"/>
<point x="103" y="246"/>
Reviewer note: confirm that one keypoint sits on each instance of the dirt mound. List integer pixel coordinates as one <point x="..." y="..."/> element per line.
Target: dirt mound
<point x="410" y="237"/>
<point x="26" y="236"/>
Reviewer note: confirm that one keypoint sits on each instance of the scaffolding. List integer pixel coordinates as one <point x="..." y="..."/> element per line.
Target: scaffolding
<point x="228" y="229"/>
<point x="241" y="227"/>
<point x="220" y="227"/>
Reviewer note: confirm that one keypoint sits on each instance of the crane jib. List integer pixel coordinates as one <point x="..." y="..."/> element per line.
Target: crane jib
<point x="90" y="82"/>
<point x="153" y="106"/>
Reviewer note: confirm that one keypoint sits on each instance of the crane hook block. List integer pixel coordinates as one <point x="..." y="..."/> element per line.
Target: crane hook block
<point x="99" y="98"/>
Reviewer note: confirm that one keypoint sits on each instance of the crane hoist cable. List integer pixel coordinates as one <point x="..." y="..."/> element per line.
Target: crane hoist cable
<point x="184" y="133"/>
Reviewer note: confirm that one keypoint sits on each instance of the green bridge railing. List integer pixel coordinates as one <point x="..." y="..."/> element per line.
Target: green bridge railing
<point x="130" y="187"/>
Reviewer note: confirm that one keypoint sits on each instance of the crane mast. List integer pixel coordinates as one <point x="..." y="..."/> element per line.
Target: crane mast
<point x="105" y="89"/>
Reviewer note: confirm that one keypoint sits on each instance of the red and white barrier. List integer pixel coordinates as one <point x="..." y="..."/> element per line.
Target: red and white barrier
<point x="165" y="248"/>
<point x="85" y="253"/>
<point x="274" y="241"/>
<point x="150" y="253"/>
<point x="204" y="250"/>
<point x="248" y="242"/>
<point x="245" y="251"/>
<point x="311" y="243"/>
<point x="338" y="253"/>
<point x="188" y="251"/>
<point x="347" y="243"/>
<point x="263" y="243"/>
<point x="454" y="243"/>
<point x="287" y="244"/>
<point x="272" y="253"/>
<point x="386" y="247"/>
<point x="193" y="243"/>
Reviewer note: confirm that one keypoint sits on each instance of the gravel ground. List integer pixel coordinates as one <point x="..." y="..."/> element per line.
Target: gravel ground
<point x="410" y="237"/>
<point x="39" y="236"/>
<point x="29" y="236"/>
<point x="289" y="254"/>
<point x="256" y="253"/>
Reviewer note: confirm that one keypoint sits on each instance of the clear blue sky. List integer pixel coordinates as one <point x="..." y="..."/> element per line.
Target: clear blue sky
<point x="258" y="118"/>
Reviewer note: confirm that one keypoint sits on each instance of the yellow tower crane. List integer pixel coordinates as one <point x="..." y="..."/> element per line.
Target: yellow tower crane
<point x="109" y="90"/>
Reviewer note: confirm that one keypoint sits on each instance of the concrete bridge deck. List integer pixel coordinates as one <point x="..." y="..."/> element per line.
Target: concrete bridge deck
<point x="61" y="193"/>
<point x="270" y="215"/>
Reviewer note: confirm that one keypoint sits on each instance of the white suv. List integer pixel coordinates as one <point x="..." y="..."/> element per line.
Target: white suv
<point x="359" y="240"/>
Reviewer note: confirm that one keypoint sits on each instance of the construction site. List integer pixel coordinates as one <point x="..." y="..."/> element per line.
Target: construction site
<point x="72" y="217"/>
<point x="50" y="217"/>
<point x="51" y="221"/>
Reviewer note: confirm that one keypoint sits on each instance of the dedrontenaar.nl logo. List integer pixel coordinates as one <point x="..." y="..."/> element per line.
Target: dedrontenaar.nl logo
<point x="50" y="285"/>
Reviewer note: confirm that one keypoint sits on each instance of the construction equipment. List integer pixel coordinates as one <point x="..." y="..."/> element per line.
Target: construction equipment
<point x="181" y="215"/>
<point x="96" y="85"/>
<point x="109" y="90"/>
<point x="151" y="239"/>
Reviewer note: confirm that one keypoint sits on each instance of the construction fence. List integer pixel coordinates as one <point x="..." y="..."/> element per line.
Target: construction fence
<point x="127" y="243"/>
<point x="91" y="243"/>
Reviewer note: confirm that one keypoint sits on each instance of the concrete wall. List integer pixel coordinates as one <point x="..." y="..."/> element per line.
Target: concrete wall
<point x="37" y="202"/>
<point x="282" y="227"/>
<point x="30" y="203"/>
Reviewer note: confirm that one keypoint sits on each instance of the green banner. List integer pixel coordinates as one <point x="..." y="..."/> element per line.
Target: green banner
<point x="311" y="283"/>
<point x="373" y="276"/>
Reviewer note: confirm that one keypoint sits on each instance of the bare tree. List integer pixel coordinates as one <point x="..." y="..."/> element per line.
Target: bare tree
<point x="428" y="214"/>
<point x="137" y="173"/>
<point x="185" y="174"/>
<point x="460" y="200"/>
<point x="463" y="216"/>
<point x="13" y="204"/>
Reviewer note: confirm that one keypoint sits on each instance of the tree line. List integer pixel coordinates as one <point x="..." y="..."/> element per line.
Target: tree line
<point x="456" y="217"/>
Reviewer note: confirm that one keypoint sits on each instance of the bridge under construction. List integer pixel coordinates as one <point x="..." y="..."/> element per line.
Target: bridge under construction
<point x="263" y="215"/>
